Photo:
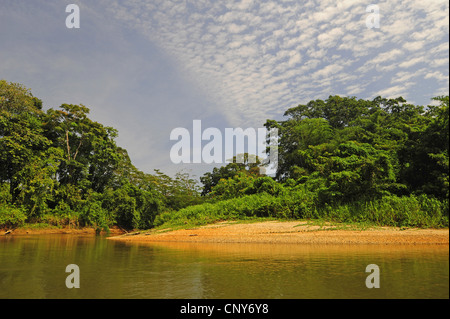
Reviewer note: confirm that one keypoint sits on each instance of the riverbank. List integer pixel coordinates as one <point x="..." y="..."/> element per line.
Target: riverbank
<point x="31" y="230"/>
<point x="291" y="232"/>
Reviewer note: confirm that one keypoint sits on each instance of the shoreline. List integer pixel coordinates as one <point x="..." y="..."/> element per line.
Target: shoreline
<point x="114" y="231"/>
<point x="290" y="232"/>
<point x="260" y="232"/>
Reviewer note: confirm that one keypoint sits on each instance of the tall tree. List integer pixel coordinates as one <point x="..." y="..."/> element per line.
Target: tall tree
<point x="403" y="146"/>
<point x="242" y="163"/>
<point x="90" y="152"/>
<point x="424" y="156"/>
<point x="27" y="161"/>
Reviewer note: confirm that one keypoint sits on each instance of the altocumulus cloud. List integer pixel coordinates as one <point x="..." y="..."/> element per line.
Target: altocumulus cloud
<point x="256" y="58"/>
<point x="147" y="67"/>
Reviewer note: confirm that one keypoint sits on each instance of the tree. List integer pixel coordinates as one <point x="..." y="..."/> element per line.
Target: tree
<point x="62" y="167"/>
<point x="354" y="171"/>
<point x="296" y="135"/>
<point x="90" y="153"/>
<point x="407" y="144"/>
<point x="179" y="191"/>
<point x="27" y="160"/>
<point x="242" y="163"/>
<point x="338" y="111"/>
<point x="424" y="156"/>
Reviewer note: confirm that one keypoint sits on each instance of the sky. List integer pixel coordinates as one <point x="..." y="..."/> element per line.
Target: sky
<point x="148" y="67"/>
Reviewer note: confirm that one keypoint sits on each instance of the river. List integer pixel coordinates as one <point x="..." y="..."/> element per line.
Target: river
<point x="34" y="266"/>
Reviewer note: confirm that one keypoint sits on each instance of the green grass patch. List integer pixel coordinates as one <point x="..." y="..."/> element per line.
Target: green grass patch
<point x="407" y="211"/>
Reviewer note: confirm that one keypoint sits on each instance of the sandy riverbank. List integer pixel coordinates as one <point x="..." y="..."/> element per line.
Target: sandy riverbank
<point x="291" y="232"/>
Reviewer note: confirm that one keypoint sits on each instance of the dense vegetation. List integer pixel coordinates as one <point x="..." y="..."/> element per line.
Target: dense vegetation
<point x="61" y="168"/>
<point x="383" y="161"/>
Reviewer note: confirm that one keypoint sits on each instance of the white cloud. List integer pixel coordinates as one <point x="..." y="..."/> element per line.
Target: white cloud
<point x="437" y="75"/>
<point x="393" y="91"/>
<point x="387" y="56"/>
<point x="402" y="77"/>
<point x="329" y="39"/>
<point x="439" y="62"/>
<point x="253" y="59"/>
<point x="411" y="62"/>
<point x="414" y="46"/>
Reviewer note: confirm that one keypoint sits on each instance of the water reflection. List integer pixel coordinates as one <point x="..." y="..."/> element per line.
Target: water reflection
<point x="316" y="271"/>
<point x="34" y="267"/>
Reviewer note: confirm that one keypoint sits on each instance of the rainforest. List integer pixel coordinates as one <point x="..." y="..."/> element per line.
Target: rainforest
<point x="381" y="161"/>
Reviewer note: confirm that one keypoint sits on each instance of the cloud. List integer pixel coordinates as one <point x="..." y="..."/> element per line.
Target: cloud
<point x="394" y="91"/>
<point x="387" y="56"/>
<point x="414" y="46"/>
<point x="238" y="62"/>
<point x="411" y="62"/>
<point x="437" y="75"/>
<point x="253" y="56"/>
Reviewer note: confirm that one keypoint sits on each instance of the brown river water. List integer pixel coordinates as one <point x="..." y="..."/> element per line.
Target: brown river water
<point x="33" y="266"/>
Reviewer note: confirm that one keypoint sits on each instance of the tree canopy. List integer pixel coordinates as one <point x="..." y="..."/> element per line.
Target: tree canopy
<point x="60" y="166"/>
<point x="366" y="148"/>
<point x="382" y="160"/>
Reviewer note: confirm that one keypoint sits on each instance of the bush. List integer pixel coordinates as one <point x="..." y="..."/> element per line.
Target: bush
<point x="405" y="211"/>
<point x="299" y="203"/>
<point x="95" y="215"/>
<point x="162" y="219"/>
<point x="61" y="215"/>
<point x="11" y="217"/>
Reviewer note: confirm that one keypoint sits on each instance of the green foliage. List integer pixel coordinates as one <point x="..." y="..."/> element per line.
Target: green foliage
<point x="95" y="215"/>
<point x="178" y="192"/>
<point x="26" y="157"/>
<point x="241" y="164"/>
<point x="297" y="203"/>
<point x="354" y="170"/>
<point x="123" y="206"/>
<point x="236" y="186"/>
<point x="61" y="168"/>
<point x="381" y="161"/>
<point x="425" y="157"/>
<point x="11" y="216"/>
<point x="365" y="149"/>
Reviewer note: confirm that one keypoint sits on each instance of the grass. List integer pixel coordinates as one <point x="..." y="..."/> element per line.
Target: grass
<point x="403" y="212"/>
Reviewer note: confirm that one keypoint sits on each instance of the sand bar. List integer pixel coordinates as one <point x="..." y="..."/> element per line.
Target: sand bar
<point x="291" y="232"/>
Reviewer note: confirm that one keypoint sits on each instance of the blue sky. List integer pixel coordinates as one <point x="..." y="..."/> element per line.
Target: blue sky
<point x="147" y="67"/>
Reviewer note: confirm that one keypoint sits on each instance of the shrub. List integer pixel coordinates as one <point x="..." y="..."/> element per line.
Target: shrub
<point x="95" y="215"/>
<point x="299" y="203"/>
<point x="11" y="217"/>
